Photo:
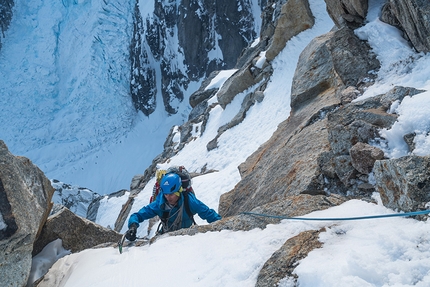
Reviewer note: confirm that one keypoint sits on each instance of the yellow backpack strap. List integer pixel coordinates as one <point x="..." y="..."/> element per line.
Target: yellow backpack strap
<point x="159" y="174"/>
<point x="156" y="189"/>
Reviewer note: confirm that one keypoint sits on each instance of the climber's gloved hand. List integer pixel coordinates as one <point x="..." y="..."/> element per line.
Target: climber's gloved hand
<point x="131" y="232"/>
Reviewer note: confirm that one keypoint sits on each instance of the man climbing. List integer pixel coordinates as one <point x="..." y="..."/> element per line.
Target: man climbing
<point x="175" y="207"/>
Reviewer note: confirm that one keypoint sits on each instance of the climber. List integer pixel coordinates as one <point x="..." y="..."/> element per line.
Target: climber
<point x="175" y="207"/>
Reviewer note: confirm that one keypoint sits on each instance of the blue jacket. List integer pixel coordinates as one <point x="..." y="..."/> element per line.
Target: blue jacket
<point x="157" y="207"/>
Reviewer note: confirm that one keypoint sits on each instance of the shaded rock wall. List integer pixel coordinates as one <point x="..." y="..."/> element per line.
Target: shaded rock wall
<point x="25" y="202"/>
<point x="187" y="41"/>
<point x="413" y="18"/>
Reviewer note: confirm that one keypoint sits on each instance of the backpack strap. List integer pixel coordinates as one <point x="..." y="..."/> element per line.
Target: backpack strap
<point x="187" y="206"/>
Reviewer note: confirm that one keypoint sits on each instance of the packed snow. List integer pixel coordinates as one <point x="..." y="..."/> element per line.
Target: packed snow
<point x="400" y="66"/>
<point x="374" y="252"/>
<point x="44" y="260"/>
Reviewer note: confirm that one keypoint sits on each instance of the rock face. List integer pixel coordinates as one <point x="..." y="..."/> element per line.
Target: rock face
<point x="404" y="183"/>
<point x="25" y="202"/>
<point x="411" y="16"/>
<point x="363" y="157"/>
<point x="332" y="71"/>
<point x="283" y="262"/>
<point x="322" y="155"/>
<point x="196" y="30"/>
<point x="349" y="13"/>
<point x="284" y="165"/>
<point x="295" y="17"/>
<point x="336" y="61"/>
<point x="77" y="233"/>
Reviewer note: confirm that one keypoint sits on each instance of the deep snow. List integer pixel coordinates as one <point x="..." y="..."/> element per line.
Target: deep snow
<point x="377" y="252"/>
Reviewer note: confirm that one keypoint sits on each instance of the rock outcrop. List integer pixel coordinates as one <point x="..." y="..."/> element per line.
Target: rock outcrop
<point x="336" y="60"/>
<point x="25" y="228"/>
<point x="412" y="17"/>
<point x="350" y="13"/>
<point x="77" y="233"/>
<point x="283" y="262"/>
<point x="404" y="183"/>
<point x="285" y="165"/>
<point x="295" y="17"/>
<point x="25" y="203"/>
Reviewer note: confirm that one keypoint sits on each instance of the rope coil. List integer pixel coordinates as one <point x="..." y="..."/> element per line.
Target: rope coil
<point x="340" y="218"/>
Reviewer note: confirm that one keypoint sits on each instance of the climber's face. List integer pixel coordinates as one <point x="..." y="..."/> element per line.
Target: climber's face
<point x="171" y="198"/>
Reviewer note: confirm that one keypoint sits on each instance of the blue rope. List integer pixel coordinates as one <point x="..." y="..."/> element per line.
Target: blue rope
<point x="340" y="218"/>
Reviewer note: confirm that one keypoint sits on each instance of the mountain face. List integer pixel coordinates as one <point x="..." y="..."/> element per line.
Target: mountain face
<point x="321" y="155"/>
<point x="92" y="61"/>
<point x="325" y="146"/>
<point x="76" y="199"/>
<point x="182" y="42"/>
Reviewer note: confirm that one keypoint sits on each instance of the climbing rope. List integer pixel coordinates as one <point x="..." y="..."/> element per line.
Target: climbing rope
<point x="340" y="218"/>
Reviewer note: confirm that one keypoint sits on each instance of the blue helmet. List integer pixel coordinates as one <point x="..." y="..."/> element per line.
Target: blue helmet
<point x="170" y="183"/>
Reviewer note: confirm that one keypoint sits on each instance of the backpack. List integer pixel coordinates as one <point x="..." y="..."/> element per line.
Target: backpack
<point x="179" y="170"/>
<point x="186" y="187"/>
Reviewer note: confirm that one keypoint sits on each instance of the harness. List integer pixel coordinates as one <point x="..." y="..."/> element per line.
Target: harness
<point x="165" y="217"/>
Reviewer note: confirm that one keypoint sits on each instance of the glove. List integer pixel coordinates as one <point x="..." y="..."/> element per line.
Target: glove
<point x="131" y="232"/>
